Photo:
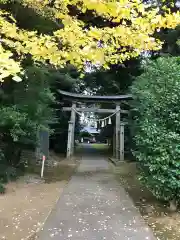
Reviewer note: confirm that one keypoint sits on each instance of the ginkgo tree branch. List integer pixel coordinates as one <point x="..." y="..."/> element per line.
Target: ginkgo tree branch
<point x="73" y="42"/>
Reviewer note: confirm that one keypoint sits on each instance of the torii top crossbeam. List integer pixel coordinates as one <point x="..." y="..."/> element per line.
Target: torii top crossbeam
<point x="74" y="97"/>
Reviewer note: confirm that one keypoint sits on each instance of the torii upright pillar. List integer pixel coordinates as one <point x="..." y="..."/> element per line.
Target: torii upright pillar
<point x="118" y="121"/>
<point x="70" y="143"/>
<point x="121" y="147"/>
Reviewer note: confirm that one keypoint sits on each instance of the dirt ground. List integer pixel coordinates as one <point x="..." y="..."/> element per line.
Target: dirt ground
<point x="165" y="224"/>
<point x="27" y="202"/>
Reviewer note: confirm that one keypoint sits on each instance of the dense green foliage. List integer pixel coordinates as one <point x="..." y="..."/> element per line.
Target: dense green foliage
<point x="2" y="174"/>
<point x="25" y="108"/>
<point x="33" y="104"/>
<point x="157" y="127"/>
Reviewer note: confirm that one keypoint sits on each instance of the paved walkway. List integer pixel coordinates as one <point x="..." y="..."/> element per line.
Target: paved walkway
<point x="95" y="207"/>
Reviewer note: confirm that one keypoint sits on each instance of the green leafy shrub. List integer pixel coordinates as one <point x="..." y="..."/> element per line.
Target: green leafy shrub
<point x="2" y="189"/>
<point x="25" y="109"/>
<point x="157" y="127"/>
<point x="3" y="168"/>
<point x="7" y="172"/>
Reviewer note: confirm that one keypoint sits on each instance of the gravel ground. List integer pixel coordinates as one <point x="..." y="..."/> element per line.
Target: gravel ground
<point x="28" y="201"/>
<point x="165" y="224"/>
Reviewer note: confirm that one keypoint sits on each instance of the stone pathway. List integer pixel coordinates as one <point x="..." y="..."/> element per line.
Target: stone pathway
<point x="95" y="207"/>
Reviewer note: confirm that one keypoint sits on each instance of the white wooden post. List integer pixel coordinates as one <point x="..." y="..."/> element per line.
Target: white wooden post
<point x="70" y="142"/>
<point x="122" y="141"/>
<point x="118" y="120"/>
<point x="42" y="167"/>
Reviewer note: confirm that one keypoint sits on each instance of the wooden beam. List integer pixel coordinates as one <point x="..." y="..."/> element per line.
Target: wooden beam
<point x="121" y="142"/>
<point x="70" y="143"/>
<point x="118" y="120"/>
<point x="89" y="98"/>
<point x="73" y="119"/>
<point x="68" y="153"/>
<point x="97" y="110"/>
<point x="114" y="143"/>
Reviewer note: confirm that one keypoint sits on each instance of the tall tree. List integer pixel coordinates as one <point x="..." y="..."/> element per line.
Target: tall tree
<point x="124" y="30"/>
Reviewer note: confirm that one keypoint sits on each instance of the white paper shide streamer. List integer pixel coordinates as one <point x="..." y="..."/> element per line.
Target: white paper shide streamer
<point x="102" y="124"/>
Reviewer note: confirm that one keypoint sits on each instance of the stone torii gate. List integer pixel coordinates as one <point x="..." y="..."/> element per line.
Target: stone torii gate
<point x="118" y="139"/>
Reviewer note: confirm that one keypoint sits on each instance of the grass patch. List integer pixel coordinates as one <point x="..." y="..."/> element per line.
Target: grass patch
<point x="54" y="174"/>
<point x="100" y="146"/>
